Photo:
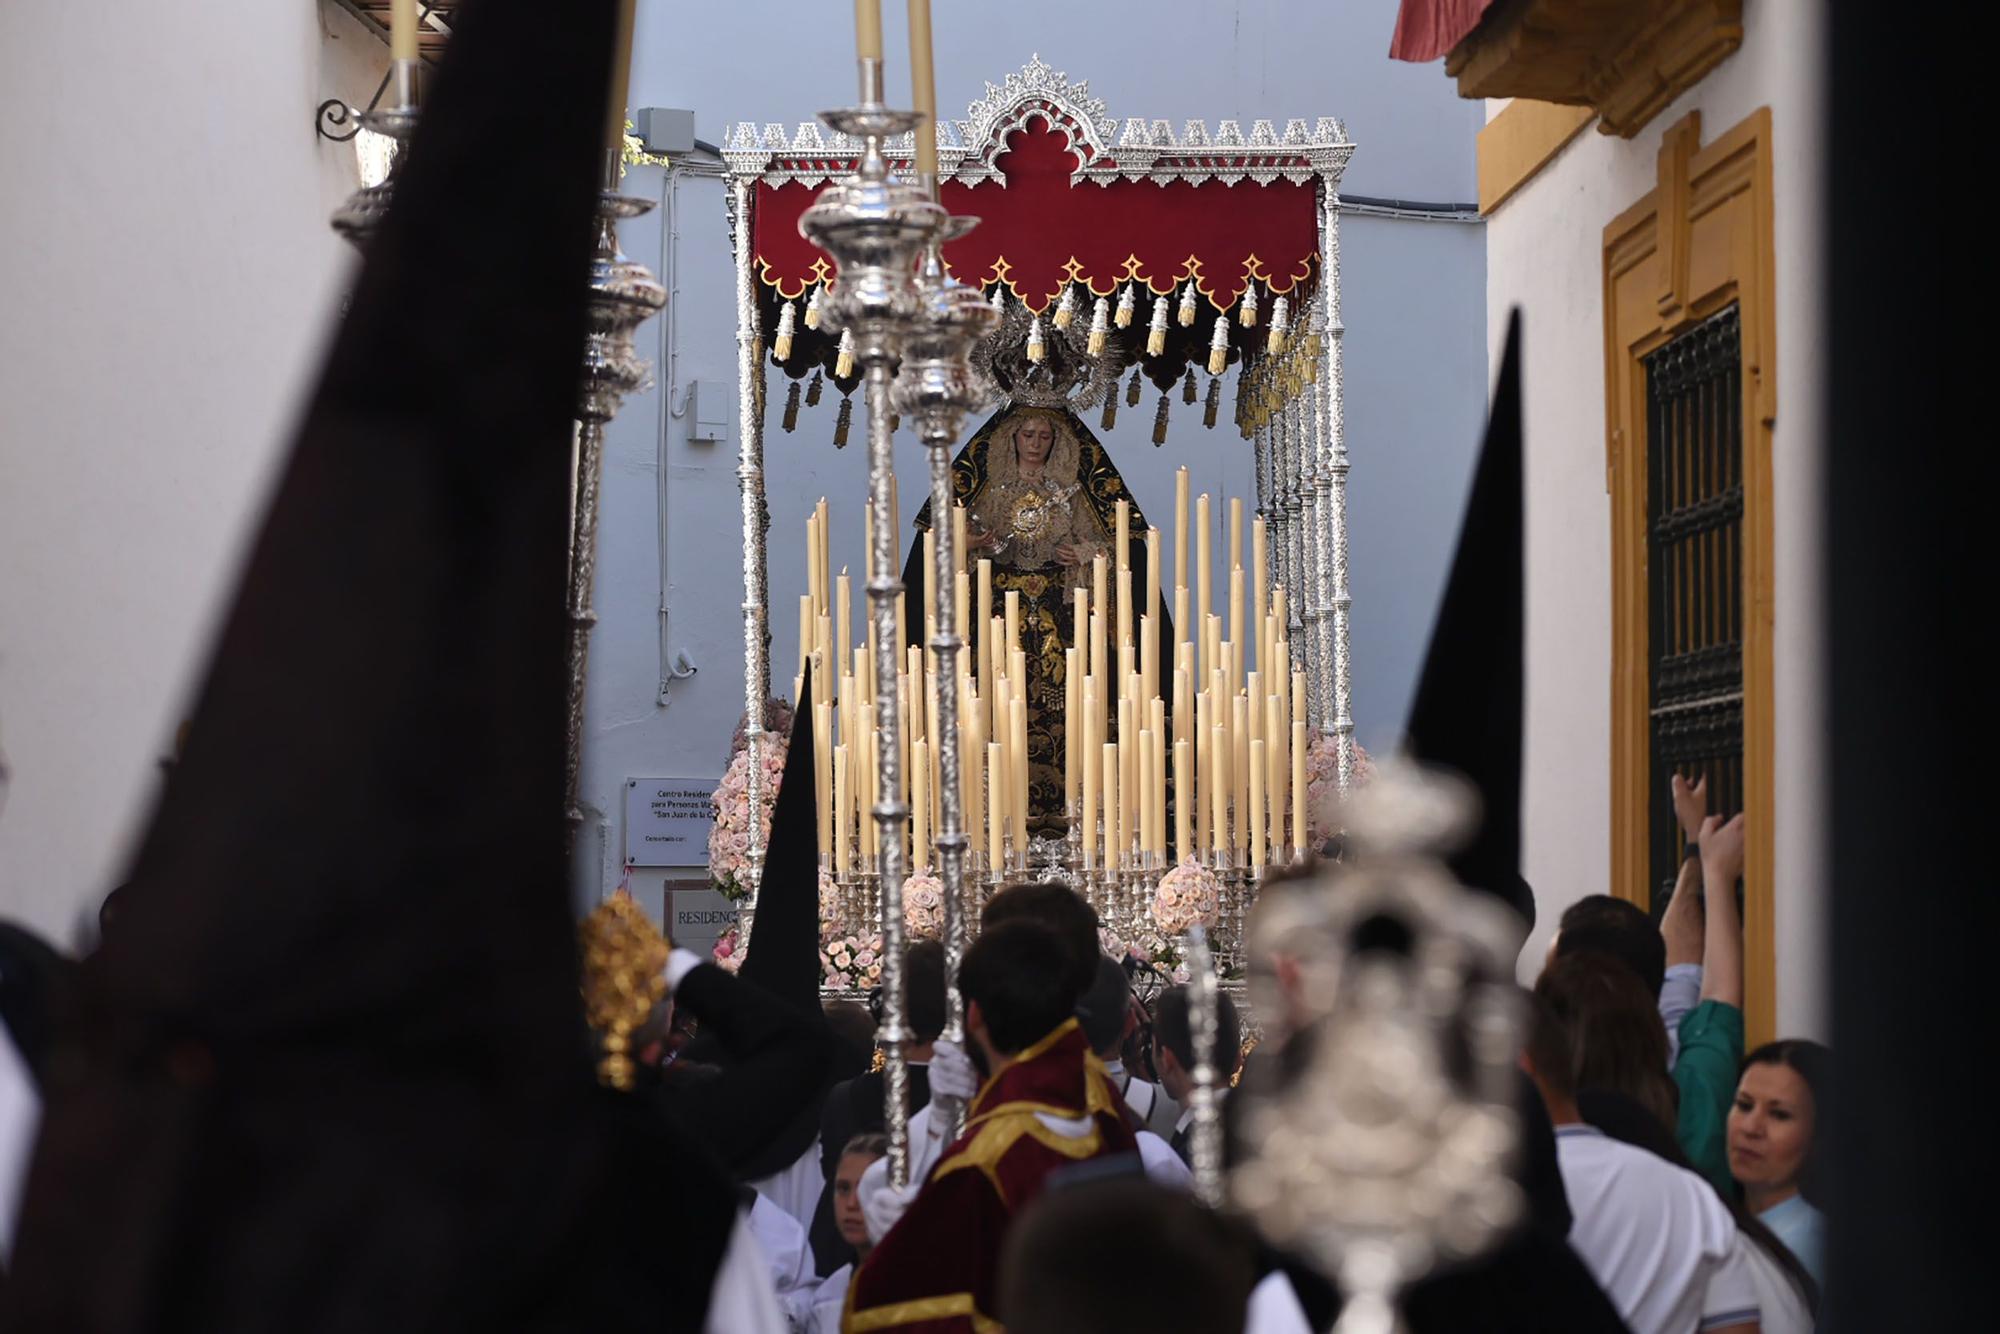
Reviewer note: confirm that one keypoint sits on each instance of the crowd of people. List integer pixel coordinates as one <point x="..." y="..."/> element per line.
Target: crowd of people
<point x="1681" y="1171"/>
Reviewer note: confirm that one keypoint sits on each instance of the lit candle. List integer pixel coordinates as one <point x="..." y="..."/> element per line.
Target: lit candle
<point x="1236" y="532"/>
<point x="812" y="560"/>
<point x="1079" y="624"/>
<point x="923" y="85"/>
<point x="1183" y="798"/>
<point x="403" y="29"/>
<point x="1299" y="788"/>
<point x="868" y="29"/>
<point x="1256" y="831"/>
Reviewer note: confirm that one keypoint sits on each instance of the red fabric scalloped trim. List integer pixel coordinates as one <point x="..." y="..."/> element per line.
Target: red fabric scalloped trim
<point x="1038" y="230"/>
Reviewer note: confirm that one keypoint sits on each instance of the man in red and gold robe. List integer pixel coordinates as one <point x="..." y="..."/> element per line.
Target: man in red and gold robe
<point x="1046" y="1106"/>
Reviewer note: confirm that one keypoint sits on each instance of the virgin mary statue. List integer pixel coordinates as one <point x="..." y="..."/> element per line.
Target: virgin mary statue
<point x="1041" y="499"/>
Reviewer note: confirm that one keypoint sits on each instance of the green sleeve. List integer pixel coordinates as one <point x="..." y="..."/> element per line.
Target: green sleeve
<point x="1710" y="1055"/>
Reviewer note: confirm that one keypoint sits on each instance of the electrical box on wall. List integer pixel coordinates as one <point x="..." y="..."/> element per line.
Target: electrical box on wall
<point x="708" y="406"/>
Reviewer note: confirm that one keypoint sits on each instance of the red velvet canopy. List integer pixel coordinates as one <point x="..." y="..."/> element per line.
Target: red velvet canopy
<point x="1040" y="229"/>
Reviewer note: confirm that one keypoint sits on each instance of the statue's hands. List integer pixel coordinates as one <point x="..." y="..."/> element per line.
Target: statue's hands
<point x="1071" y="553"/>
<point x="978" y="539"/>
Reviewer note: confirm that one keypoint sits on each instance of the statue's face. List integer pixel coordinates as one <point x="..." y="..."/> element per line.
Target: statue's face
<point x="1034" y="441"/>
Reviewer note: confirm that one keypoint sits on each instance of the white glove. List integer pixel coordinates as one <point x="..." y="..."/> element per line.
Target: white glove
<point x="952" y="1073"/>
<point x="882" y="1204"/>
<point x="680" y="963"/>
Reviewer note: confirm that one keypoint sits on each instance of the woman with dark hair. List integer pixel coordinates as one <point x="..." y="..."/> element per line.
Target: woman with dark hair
<point x="1776" y="1126"/>
<point x="1614" y="1028"/>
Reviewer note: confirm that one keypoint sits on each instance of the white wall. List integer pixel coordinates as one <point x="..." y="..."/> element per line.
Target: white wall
<point x="169" y="277"/>
<point x="1544" y="252"/>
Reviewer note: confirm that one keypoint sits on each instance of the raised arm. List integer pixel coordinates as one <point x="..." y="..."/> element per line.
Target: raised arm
<point x="1722" y="938"/>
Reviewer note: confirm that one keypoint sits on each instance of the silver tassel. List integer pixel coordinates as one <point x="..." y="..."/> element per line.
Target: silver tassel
<point x="1100" y="327"/>
<point x="1132" y="391"/>
<point x="791" y="419"/>
<point x="812" y="390"/>
<point x="1214" y="403"/>
<point x="1248" y="315"/>
<point x="1160" y="422"/>
<point x="1066" y="307"/>
<point x="1188" y="392"/>
<point x="1187" y="304"/>
<point x="842" y="422"/>
<point x="1127" y="301"/>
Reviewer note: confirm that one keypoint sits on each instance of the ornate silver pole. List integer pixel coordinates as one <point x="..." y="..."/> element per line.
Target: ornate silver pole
<point x="875" y="228"/>
<point x="1297" y="463"/>
<point x="1204" y="1029"/>
<point x="935" y="388"/>
<point x="363" y="211"/>
<point x="1312" y="552"/>
<point x="750" y="483"/>
<point x="623" y="295"/>
<point x="1334" y="629"/>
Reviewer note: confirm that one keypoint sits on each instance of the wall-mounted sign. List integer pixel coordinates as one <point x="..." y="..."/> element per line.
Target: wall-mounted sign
<point x="667" y="821"/>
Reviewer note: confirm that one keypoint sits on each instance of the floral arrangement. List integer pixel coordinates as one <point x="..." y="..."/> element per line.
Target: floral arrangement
<point x="1323" y="784"/>
<point x="729" y="839"/>
<point x="850" y="961"/>
<point x="729" y="950"/>
<point x="1189" y="895"/>
<point x="1149" y="947"/>
<point x="923" y="906"/>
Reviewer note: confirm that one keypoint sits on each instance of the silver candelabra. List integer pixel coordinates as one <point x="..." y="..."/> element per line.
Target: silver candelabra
<point x="875" y="227"/>
<point x="623" y="295"/>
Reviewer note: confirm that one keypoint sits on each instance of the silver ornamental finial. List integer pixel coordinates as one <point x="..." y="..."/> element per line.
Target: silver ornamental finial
<point x="1383" y="1142"/>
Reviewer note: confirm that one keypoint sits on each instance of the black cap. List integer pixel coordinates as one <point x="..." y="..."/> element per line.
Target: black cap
<point x="785" y="961"/>
<point x="1467" y="712"/>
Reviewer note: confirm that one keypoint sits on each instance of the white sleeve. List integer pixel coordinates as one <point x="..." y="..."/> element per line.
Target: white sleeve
<point x="1731" y="1298"/>
<point x="20" y="1119"/>
<point x="788" y="1255"/>
<point x="1162" y="1164"/>
<point x="1275" y="1308"/>
<point x="741" y="1300"/>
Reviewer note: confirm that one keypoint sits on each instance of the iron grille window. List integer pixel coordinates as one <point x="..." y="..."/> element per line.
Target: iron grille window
<point x="1694" y="548"/>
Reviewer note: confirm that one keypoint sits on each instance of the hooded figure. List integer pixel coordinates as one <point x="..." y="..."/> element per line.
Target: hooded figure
<point x="1467" y="712"/>
<point x="329" y="1070"/>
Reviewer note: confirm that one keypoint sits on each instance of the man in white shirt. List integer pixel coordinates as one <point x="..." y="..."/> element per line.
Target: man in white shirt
<point x="1174" y="1058"/>
<point x="1654" y="1236"/>
<point x="1106" y="1013"/>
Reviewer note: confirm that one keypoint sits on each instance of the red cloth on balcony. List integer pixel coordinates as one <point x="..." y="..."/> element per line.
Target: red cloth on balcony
<point x="1427" y="29"/>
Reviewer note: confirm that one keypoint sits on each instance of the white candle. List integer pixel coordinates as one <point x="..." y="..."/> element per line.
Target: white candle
<point x="842" y="799"/>
<point x="1201" y="574"/>
<point x="920" y="807"/>
<point x="1112" y="804"/>
<point x="1299" y="823"/>
<point x="403" y="34"/>
<point x="1180" y="536"/>
<point x="1183" y="799"/>
<point x="1256" y="829"/>
<point x="996" y="804"/>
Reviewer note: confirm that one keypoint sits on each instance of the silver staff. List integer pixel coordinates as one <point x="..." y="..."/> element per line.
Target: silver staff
<point x="750" y="483"/>
<point x="623" y="295"/>
<point x="935" y="388"/>
<point x="875" y="228"/>
<point x="1205" y="1029"/>
<point x="1339" y="720"/>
